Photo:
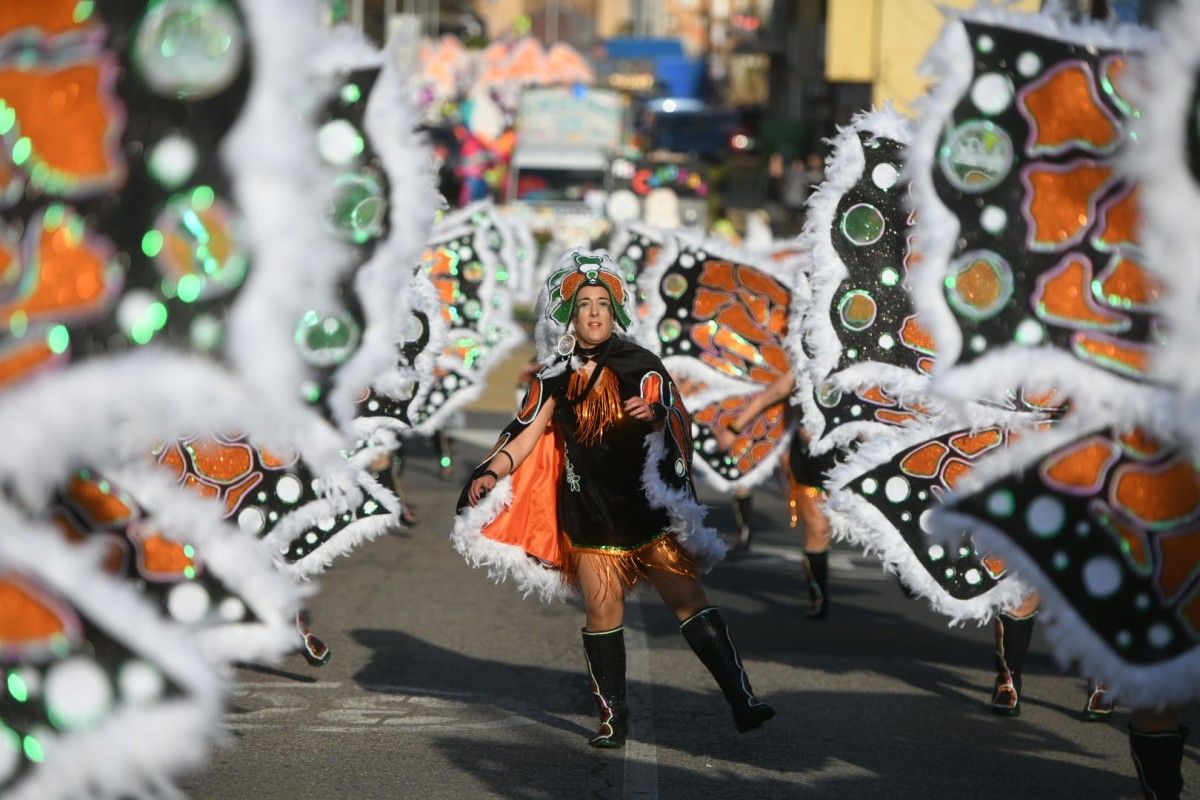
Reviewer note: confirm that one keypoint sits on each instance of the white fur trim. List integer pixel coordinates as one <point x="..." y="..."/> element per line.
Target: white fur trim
<point x="504" y="561"/>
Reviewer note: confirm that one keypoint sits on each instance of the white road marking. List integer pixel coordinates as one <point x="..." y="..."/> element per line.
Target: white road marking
<point x="358" y="709"/>
<point x="641" y="752"/>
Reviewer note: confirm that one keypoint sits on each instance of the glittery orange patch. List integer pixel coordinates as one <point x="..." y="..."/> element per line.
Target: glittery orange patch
<point x="858" y="310"/>
<point x="70" y="278"/>
<point x="926" y="365"/>
<point x="729" y="341"/>
<point x="762" y="284"/>
<point x="718" y="275"/>
<point x="736" y="319"/>
<point x="1157" y="495"/>
<point x="955" y="471"/>
<point x="1122" y="219"/>
<point x="234" y="494"/>
<point x="20" y="361"/>
<point x="972" y="444"/>
<point x="994" y="565"/>
<point x="221" y="462"/>
<point x="45" y="16"/>
<point x="104" y="507"/>
<point x="200" y="487"/>
<point x="1064" y="295"/>
<point x="25" y="617"/>
<point x="757" y="305"/>
<point x="272" y="461"/>
<point x="978" y="285"/>
<point x="1180" y="553"/>
<point x="706" y="303"/>
<point x="776" y="357"/>
<point x="1127" y="282"/>
<point x="925" y="461"/>
<point x="873" y="394"/>
<point x="161" y="557"/>
<point x="914" y="335"/>
<point x="1063" y="110"/>
<point x="1131" y="540"/>
<point x="70" y="118"/>
<point x="1082" y="467"/>
<point x="172" y="458"/>
<point x="720" y="364"/>
<point x="1046" y="399"/>
<point x="1139" y="444"/>
<point x="1122" y="356"/>
<point x="1060" y="202"/>
<point x="894" y="417"/>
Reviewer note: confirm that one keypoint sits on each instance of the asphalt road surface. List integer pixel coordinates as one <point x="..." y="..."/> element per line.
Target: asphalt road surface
<point x="443" y="685"/>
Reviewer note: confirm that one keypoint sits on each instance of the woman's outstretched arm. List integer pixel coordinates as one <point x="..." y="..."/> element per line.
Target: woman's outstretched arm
<point x="511" y="455"/>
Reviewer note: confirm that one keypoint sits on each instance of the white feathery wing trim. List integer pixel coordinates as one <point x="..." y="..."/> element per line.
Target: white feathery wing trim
<point x="238" y="560"/>
<point x="1170" y="200"/>
<point x="136" y="747"/>
<point x="383" y="282"/>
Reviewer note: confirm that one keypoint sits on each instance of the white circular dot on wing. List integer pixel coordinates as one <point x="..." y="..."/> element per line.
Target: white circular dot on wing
<point x="78" y="693"/>
<point x="188" y="602"/>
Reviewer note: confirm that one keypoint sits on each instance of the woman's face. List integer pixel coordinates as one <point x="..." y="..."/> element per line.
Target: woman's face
<point x="593" y="316"/>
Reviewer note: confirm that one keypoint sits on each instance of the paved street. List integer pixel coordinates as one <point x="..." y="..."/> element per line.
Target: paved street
<point x="445" y="686"/>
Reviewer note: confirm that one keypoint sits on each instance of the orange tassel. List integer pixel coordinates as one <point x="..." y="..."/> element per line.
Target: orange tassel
<point x="599" y="409"/>
<point x="620" y="570"/>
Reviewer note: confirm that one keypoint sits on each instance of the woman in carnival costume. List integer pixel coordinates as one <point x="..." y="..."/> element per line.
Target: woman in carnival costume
<point x="590" y="490"/>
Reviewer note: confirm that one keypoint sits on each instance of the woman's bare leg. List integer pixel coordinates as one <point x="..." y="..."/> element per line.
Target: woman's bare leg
<point x="683" y="594"/>
<point x="816" y="527"/>
<point x="603" y="600"/>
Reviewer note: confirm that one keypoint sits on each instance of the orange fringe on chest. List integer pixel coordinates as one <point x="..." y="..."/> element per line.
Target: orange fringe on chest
<point x="600" y="409"/>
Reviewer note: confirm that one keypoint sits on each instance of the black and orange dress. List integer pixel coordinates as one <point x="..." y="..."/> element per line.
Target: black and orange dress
<point x="599" y="483"/>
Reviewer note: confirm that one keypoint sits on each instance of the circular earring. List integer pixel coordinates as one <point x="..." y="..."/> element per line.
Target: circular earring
<point x="566" y="344"/>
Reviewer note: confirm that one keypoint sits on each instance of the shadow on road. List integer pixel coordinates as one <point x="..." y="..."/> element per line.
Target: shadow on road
<point x="931" y="743"/>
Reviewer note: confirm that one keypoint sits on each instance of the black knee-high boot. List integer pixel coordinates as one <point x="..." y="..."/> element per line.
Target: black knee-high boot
<point x="605" y="654"/>
<point x="1012" y="643"/>
<point x="742" y="506"/>
<point x="1158" y="758"/>
<point x="816" y="567"/>
<point x="705" y="631"/>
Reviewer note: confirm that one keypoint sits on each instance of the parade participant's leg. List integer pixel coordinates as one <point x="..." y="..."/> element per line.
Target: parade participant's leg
<point x="1014" y="631"/>
<point x="604" y="649"/>
<point x="315" y="650"/>
<point x="816" y="552"/>
<point x="743" y="504"/>
<point x="441" y="443"/>
<point x="1098" y="707"/>
<point x="704" y="629"/>
<point x="1156" y="742"/>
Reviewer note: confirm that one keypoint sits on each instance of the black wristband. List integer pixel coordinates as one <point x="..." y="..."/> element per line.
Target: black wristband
<point x="495" y="477"/>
